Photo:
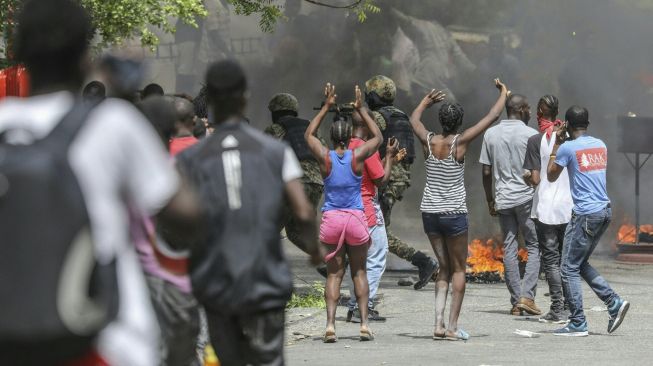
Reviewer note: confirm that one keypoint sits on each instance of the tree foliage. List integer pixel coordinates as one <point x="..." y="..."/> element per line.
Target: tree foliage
<point x="116" y="21"/>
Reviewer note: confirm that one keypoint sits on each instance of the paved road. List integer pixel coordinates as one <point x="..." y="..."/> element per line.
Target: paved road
<point x="405" y="339"/>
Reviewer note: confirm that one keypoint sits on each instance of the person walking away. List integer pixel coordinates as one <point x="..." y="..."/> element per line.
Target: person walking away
<point x="502" y="157"/>
<point x="288" y="127"/>
<point x="376" y="174"/>
<point x="184" y="126"/>
<point x="380" y="93"/>
<point x="444" y="206"/>
<point x="552" y="204"/>
<point x="585" y="158"/>
<point x="239" y="273"/>
<point x="75" y="173"/>
<point x="343" y="218"/>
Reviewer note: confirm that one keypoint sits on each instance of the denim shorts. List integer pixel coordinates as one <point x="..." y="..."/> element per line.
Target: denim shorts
<point x="444" y="224"/>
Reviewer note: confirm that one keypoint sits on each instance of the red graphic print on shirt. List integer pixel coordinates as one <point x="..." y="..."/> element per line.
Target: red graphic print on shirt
<point x="592" y="159"/>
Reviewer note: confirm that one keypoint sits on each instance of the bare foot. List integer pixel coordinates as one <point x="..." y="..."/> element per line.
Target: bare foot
<point x="330" y="335"/>
<point x="439" y="332"/>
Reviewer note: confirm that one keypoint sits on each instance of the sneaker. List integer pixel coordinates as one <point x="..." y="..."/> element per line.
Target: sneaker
<point x="554" y="317"/>
<point x="617" y="312"/>
<point x="572" y="330"/>
<point x="374" y="316"/>
<point x="353" y="316"/>
<point x="528" y="305"/>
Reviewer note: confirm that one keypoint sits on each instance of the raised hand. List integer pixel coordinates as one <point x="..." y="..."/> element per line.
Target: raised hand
<point x="432" y="98"/>
<point x="393" y="146"/>
<point x="358" y="103"/>
<point x="330" y="95"/>
<point x="501" y="86"/>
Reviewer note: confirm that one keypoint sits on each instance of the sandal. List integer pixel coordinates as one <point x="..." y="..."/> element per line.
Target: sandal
<point x="366" y="335"/>
<point x="438" y="336"/>
<point x="460" y="335"/>
<point x="330" y="337"/>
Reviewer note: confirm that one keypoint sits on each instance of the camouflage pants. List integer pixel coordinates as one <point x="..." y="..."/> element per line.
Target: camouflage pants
<point x="314" y="194"/>
<point x="391" y="194"/>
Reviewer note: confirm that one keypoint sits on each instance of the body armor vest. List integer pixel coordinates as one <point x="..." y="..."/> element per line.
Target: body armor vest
<point x="295" y="129"/>
<point x="398" y="126"/>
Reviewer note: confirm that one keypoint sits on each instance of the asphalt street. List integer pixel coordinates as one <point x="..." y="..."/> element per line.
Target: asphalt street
<point x="406" y="337"/>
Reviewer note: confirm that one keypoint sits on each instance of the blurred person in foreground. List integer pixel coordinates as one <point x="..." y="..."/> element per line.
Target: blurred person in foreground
<point x="585" y="159"/>
<point x="502" y="157"/>
<point x="444" y="202"/>
<point x="552" y="203"/>
<point x="184" y="126"/>
<point x="239" y="273"/>
<point x="344" y="229"/>
<point x="380" y="93"/>
<point x="113" y="158"/>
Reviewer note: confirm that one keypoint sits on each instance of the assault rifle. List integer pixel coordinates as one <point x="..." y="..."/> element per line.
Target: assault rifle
<point x="342" y="111"/>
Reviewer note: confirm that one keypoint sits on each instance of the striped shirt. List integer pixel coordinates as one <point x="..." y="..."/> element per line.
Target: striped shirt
<point x="444" y="191"/>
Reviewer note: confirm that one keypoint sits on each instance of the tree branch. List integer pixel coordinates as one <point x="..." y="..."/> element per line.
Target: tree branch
<point x="350" y="6"/>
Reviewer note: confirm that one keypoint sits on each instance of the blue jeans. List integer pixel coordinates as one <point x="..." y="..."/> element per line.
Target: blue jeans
<point x="582" y="235"/>
<point x="376" y="257"/>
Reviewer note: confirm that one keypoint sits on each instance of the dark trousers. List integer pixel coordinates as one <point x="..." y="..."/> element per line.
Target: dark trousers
<point x="551" y="238"/>
<point x="248" y="339"/>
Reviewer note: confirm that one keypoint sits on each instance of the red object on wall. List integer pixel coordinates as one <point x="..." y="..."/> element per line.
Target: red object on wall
<point x="14" y="82"/>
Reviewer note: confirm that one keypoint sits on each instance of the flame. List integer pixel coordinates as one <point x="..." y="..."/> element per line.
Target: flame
<point x="626" y="233"/>
<point x="488" y="256"/>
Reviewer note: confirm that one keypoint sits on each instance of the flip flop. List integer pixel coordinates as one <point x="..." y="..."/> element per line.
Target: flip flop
<point x="460" y="335"/>
<point x="438" y="336"/>
<point x="366" y="335"/>
<point x="330" y="337"/>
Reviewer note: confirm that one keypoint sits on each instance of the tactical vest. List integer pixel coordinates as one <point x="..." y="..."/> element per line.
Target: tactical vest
<point x="398" y="126"/>
<point x="295" y="130"/>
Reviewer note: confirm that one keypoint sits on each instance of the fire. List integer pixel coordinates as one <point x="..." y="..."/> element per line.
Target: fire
<point x="626" y="232"/>
<point x="488" y="256"/>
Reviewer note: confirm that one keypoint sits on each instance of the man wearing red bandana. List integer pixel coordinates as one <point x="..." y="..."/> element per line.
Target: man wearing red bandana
<point x="552" y="203"/>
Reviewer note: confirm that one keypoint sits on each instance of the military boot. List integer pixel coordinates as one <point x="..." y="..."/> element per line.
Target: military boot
<point x="426" y="266"/>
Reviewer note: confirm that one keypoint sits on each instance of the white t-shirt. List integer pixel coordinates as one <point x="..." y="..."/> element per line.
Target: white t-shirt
<point x="291" y="169"/>
<point x="119" y="161"/>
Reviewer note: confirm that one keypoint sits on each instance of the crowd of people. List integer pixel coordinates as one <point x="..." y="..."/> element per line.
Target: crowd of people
<point x="149" y="218"/>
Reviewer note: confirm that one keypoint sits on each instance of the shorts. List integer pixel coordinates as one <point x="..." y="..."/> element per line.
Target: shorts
<point x="341" y="227"/>
<point x="445" y="224"/>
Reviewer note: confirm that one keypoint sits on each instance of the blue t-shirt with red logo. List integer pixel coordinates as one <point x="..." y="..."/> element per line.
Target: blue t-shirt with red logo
<point x="586" y="160"/>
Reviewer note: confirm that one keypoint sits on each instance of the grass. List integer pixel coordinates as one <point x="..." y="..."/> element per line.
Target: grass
<point x="312" y="298"/>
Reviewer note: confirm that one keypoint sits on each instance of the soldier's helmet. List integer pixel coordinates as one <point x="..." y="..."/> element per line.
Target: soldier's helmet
<point x="283" y="102"/>
<point x="383" y="86"/>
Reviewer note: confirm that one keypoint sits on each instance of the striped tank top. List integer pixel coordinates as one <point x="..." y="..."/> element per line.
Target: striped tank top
<point x="444" y="191"/>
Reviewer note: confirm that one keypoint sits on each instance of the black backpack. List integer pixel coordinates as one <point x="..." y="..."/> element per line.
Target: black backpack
<point x="54" y="296"/>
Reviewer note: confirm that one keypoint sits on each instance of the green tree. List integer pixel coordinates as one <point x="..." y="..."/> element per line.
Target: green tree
<point x="116" y="21"/>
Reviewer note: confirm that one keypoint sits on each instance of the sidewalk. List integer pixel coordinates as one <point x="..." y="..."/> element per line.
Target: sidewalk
<point x="405" y="339"/>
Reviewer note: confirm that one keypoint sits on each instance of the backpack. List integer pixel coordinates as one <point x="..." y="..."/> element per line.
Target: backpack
<point x="54" y="295"/>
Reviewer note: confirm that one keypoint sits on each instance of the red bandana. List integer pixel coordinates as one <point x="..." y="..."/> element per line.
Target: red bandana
<point x="547" y="126"/>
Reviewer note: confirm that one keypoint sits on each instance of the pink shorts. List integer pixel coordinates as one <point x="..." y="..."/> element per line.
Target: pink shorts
<point x="341" y="227"/>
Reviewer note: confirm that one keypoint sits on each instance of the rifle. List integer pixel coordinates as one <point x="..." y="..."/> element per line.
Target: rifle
<point x="342" y="111"/>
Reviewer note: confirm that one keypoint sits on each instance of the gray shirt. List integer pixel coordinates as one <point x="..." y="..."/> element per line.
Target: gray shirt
<point x="504" y="148"/>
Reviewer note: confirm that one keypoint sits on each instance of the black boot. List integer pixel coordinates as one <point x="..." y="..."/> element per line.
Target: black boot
<point x="426" y="266"/>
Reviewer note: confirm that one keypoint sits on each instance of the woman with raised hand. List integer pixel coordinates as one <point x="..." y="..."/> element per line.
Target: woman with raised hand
<point x="444" y="210"/>
<point x="343" y="230"/>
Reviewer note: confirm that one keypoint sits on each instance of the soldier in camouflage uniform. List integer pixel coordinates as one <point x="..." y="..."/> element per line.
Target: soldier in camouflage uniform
<point x="286" y="126"/>
<point x="380" y="93"/>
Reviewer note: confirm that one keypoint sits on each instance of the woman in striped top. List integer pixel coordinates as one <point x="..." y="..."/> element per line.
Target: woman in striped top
<point x="444" y="211"/>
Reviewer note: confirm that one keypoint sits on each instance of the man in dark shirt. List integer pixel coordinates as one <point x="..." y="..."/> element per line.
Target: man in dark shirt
<point x="239" y="272"/>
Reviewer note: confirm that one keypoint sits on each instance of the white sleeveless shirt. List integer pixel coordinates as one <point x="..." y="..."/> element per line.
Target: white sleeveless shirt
<point x="552" y="203"/>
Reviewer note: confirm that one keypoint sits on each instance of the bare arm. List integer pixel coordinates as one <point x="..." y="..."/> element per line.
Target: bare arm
<point x="487" y="186"/>
<point x="495" y="112"/>
<point x="305" y="215"/>
<point x="533" y="179"/>
<point x="372" y="145"/>
<point x="553" y="170"/>
<point x="393" y="156"/>
<point x="181" y="221"/>
<point x="318" y="150"/>
<point x="416" y="117"/>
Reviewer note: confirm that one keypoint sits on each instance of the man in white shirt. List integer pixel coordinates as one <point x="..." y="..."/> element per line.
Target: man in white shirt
<point x="116" y="157"/>
<point x="552" y="203"/>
